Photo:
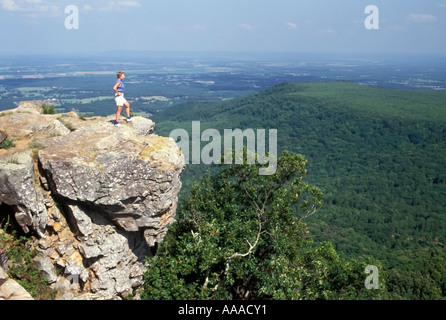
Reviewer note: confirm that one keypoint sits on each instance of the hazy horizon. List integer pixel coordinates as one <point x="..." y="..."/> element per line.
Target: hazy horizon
<point x="129" y="56"/>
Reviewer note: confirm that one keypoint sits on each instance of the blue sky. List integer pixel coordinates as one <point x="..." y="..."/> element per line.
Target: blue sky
<point x="322" y="26"/>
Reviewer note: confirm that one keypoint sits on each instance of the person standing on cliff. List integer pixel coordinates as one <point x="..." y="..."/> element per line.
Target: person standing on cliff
<point x="119" y="98"/>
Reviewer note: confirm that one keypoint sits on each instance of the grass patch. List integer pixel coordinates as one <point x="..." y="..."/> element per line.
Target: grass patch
<point x="35" y="148"/>
<point x="66" y="124"/>
<point x="7" y="143"/>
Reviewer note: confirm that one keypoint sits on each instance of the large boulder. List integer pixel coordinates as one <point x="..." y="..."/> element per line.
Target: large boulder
<point x="17" y="191"/>
<point x="131" y="179"/>
<point x="27" y="122"/>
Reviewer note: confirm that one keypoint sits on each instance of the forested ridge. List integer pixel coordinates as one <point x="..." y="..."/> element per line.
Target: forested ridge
<point x="378" y="156"/>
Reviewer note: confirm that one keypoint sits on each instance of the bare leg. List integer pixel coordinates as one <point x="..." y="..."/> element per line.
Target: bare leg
<point x="118" y="113"/>
<point x="127" y="109"/>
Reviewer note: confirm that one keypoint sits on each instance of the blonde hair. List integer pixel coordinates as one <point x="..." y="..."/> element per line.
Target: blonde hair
<point x="120" y="73"/>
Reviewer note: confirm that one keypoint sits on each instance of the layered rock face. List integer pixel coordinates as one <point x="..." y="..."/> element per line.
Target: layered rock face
<point x="96" y="197"/>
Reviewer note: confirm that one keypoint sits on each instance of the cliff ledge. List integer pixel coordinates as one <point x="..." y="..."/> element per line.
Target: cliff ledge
<point x="95" y="198"/>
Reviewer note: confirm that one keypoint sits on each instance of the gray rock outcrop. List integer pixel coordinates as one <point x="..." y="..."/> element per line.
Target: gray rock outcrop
<point x="17" y="190"/>
<point x="96" y="198"/>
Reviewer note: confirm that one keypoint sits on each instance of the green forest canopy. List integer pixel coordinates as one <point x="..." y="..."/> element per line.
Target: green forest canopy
<point x="379" y="157"/>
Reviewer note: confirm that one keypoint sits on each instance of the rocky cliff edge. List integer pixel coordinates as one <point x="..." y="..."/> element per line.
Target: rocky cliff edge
<point x="95" y="198"/>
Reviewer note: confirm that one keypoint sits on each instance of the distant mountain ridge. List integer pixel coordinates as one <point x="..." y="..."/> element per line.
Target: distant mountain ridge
<point x="347" y="94"/>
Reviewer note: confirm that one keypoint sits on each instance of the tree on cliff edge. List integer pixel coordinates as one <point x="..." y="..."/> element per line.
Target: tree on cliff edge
<point x="241" y="235"/>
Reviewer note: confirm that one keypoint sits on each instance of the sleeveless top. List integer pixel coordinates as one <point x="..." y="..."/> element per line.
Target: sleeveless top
<point x="121" y="88"/>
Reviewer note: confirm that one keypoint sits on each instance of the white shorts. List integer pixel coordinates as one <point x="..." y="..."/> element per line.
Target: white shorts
<point x="120" y="100"/>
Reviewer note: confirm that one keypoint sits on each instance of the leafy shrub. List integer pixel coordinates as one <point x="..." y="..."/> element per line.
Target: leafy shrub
<point x="48" y="109"/>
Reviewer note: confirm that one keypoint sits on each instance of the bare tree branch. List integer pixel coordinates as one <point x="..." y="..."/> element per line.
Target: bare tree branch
<point x="260" y="214"/>
<point x="310" y="212"/>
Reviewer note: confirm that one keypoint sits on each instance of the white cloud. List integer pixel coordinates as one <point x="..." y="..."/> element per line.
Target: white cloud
<point x="396" y="27"/>
<point x="291" y="25"/>
<point x="246" y="26"/>
<point x="199" y="27"/>
<point x="329" y="32"/>
<point x="130" y="3"/>
<point x="10" y="5"/>
<point x="31" y="6"/>
<point x="421" y="18"/>
<point x="117" y="5"/>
